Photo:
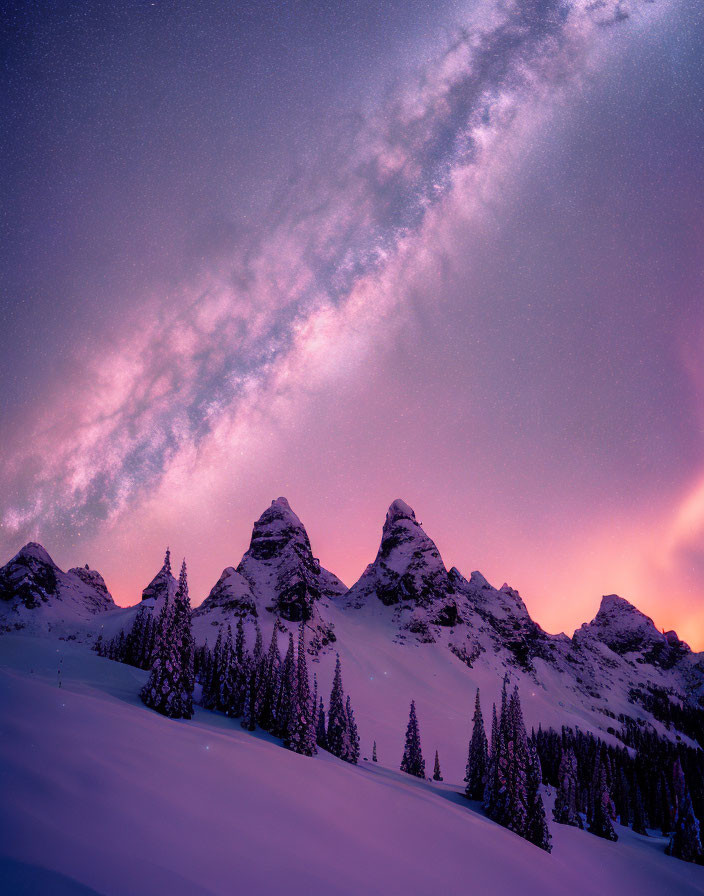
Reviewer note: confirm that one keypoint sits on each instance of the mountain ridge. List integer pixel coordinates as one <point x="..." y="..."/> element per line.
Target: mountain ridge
<point x="616" y="666"/>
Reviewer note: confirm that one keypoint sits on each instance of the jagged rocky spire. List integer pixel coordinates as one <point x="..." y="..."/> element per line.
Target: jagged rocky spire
<point x="408" y="569"/>
<point x="163" y="582"/>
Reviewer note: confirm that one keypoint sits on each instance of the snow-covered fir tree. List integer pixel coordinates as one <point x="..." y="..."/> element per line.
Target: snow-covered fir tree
<point x="565" y="809"/>
<point x="240" y="672"/>
<point x="210" y="698"/>
<point x="537" y="830"/>
<point x="338" y="734"/>
<point x="183" y="634"/>
<point x="226" y="676"/>
<point x="412" y="762"/>
<point x="164" y="690"/>
<point x="354" y="734"/>
<point x="249" y="715"/>
<point x="287" y="696"/>
<point x="600" y="804"/>
<point x="685" y="842"/>
<point x="321" y="735"/>
<point x="300" y="735"/>
<point x="515" y="767"/>
<point x="477" y="756"/>
<point x="258" y="652"/>
<point x="314" y="707"/>
<point x="498" y="808"/>
<point x="268" y="685"/>
<point x="437" y="774"/>
<point x="514" y="775"/>
<point x="492" y="774"/>
<point x="638" y="814"/>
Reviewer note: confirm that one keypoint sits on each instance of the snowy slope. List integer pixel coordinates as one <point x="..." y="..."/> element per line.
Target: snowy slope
<point x="100" y="795"/>
<point x="36" y="595"/>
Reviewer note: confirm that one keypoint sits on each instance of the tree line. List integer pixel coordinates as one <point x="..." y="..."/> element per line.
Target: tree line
<point x="261" y="688"/>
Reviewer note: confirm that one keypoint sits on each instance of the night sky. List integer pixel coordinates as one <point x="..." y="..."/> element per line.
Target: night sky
<point x="348" y="252"/>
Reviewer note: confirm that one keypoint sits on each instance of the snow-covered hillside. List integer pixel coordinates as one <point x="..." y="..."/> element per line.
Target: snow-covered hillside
<point x="103" y="796"/>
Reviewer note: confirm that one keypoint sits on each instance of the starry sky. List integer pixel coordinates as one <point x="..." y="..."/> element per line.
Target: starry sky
<point x="347" y="252"/>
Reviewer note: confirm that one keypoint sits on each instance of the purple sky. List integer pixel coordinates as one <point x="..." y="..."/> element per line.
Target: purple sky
<point x="345" y="253"/>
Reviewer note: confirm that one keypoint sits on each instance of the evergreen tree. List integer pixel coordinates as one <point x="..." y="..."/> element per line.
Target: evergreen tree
<point x="477" y="756"/>
<point x="183" y="634"/>
<point x="515" y="771"/>
<point x="600" y="811"/>
<point x="639" y="822"/>
<point x="685" y="842"/>
<point x="492" y="777"/>
<point x="249" y="716"/>
<point x="287" y="697"/>
<point x="226" y="674"/>
<point x="437" y="774"/>
<point x="211" y="681"/>
<point x="258" y="644"/>
<point x="412" y="762"/>
<point x="240" y="672"/>
<point x="268" y="685"/>
<point x="354" y="734"/>
<point x="374" y="759"/>
<point x="163" y="691"/>
<point x="338" y="734"/>
<point x="301" y="728"/>
<point x="314" y="707"/>
<point x="321" y="735"/>
<point x="500" y="810"/>
<point x="678" y="791"/>
<point x="537" y="830"/>
<point x="565" y="810"/>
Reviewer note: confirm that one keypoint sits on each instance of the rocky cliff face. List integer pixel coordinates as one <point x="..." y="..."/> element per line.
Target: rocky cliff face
<point x="281" y="569"/>
<point x="408" y="567"/>
<point x="93" y="579"/>
<point x="229" y="599"/>
<point x="625" y="630"/>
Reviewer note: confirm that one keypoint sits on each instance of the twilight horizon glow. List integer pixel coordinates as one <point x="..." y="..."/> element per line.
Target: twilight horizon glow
<point x="353" y="253"/>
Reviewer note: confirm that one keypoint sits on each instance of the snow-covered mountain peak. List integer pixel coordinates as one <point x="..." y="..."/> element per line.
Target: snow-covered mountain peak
<point x="36" y="594"/>
<point x="624" y="629"/>
<point x="283" y="502"/>
<point x="33" y="551"/>
<point x="616" y="615"/>
<point x="399" y="510"/>
<point x="614" y="603"/>
<point x="408" y="568"/>
<point x="275" y="529"/>
<point x="280" y="568"/>
<point x="92" y="578"/>
<point x="477" y="580"/>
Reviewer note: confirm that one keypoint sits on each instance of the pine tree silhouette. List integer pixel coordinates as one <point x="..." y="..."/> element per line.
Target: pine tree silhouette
<point x="412" y="762"/>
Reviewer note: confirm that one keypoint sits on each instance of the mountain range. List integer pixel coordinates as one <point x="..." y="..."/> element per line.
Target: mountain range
<point x="408" y="618"/>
